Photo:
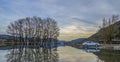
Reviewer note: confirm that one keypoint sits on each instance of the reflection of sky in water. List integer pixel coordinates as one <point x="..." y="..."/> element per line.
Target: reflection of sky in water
<point x="69" y="54"/>
<point x="66" y="54"/>
<point x="2" y="55"/>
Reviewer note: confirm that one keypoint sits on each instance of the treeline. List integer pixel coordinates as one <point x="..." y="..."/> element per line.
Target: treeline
<point x="110" y="29"/>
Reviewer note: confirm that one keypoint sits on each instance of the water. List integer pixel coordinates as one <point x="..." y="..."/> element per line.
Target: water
<point x="62" y="54"/>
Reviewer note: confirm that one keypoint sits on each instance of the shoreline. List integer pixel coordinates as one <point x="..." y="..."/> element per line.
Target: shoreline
<point x="104" y="46"/>
<point x="110" y="46"/>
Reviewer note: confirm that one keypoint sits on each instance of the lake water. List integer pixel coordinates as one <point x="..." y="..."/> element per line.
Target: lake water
<point x="63" y="54"/>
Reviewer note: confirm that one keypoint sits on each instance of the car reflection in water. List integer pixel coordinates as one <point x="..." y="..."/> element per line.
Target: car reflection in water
<point x="91" y="50"/>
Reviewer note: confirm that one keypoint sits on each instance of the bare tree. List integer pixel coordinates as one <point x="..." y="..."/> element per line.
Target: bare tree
<point x="108" y="28"/>
<point x="40" y="33"/>
<point x="35" y="30"/>
<point x="117" y="32"/>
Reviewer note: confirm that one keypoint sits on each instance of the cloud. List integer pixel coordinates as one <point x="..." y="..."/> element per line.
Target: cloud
<point x="82" y="17"/>
<point x="73" y="31"/>
<point x="84" y="21"/>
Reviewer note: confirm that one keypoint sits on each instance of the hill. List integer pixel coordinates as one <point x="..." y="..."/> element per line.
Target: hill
<point x="96" y="36"/>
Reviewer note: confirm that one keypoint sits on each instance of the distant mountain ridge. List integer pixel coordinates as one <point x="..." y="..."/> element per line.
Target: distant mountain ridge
<point x="75" y="41"/>
<point x="4" y="36"/>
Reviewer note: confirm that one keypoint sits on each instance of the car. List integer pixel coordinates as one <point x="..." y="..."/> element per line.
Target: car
<point x="90" y="43"/>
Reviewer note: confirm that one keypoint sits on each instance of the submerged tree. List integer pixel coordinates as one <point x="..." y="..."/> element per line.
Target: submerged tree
<point x="39" y="33"/>
<point x="35" y="31"/>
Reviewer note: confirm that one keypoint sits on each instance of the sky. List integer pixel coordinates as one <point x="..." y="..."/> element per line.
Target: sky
<point x="76" y="18"/>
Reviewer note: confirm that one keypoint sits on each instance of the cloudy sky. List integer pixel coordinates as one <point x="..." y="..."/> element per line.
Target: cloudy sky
<point x="76" y="18"/>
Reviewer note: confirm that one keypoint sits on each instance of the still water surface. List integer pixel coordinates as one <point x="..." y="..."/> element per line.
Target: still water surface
<point x="63" y="54"/>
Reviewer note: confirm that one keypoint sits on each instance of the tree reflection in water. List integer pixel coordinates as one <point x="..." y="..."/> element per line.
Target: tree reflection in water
<point x="108" y="56"/>
<point x="32" y="54"/>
